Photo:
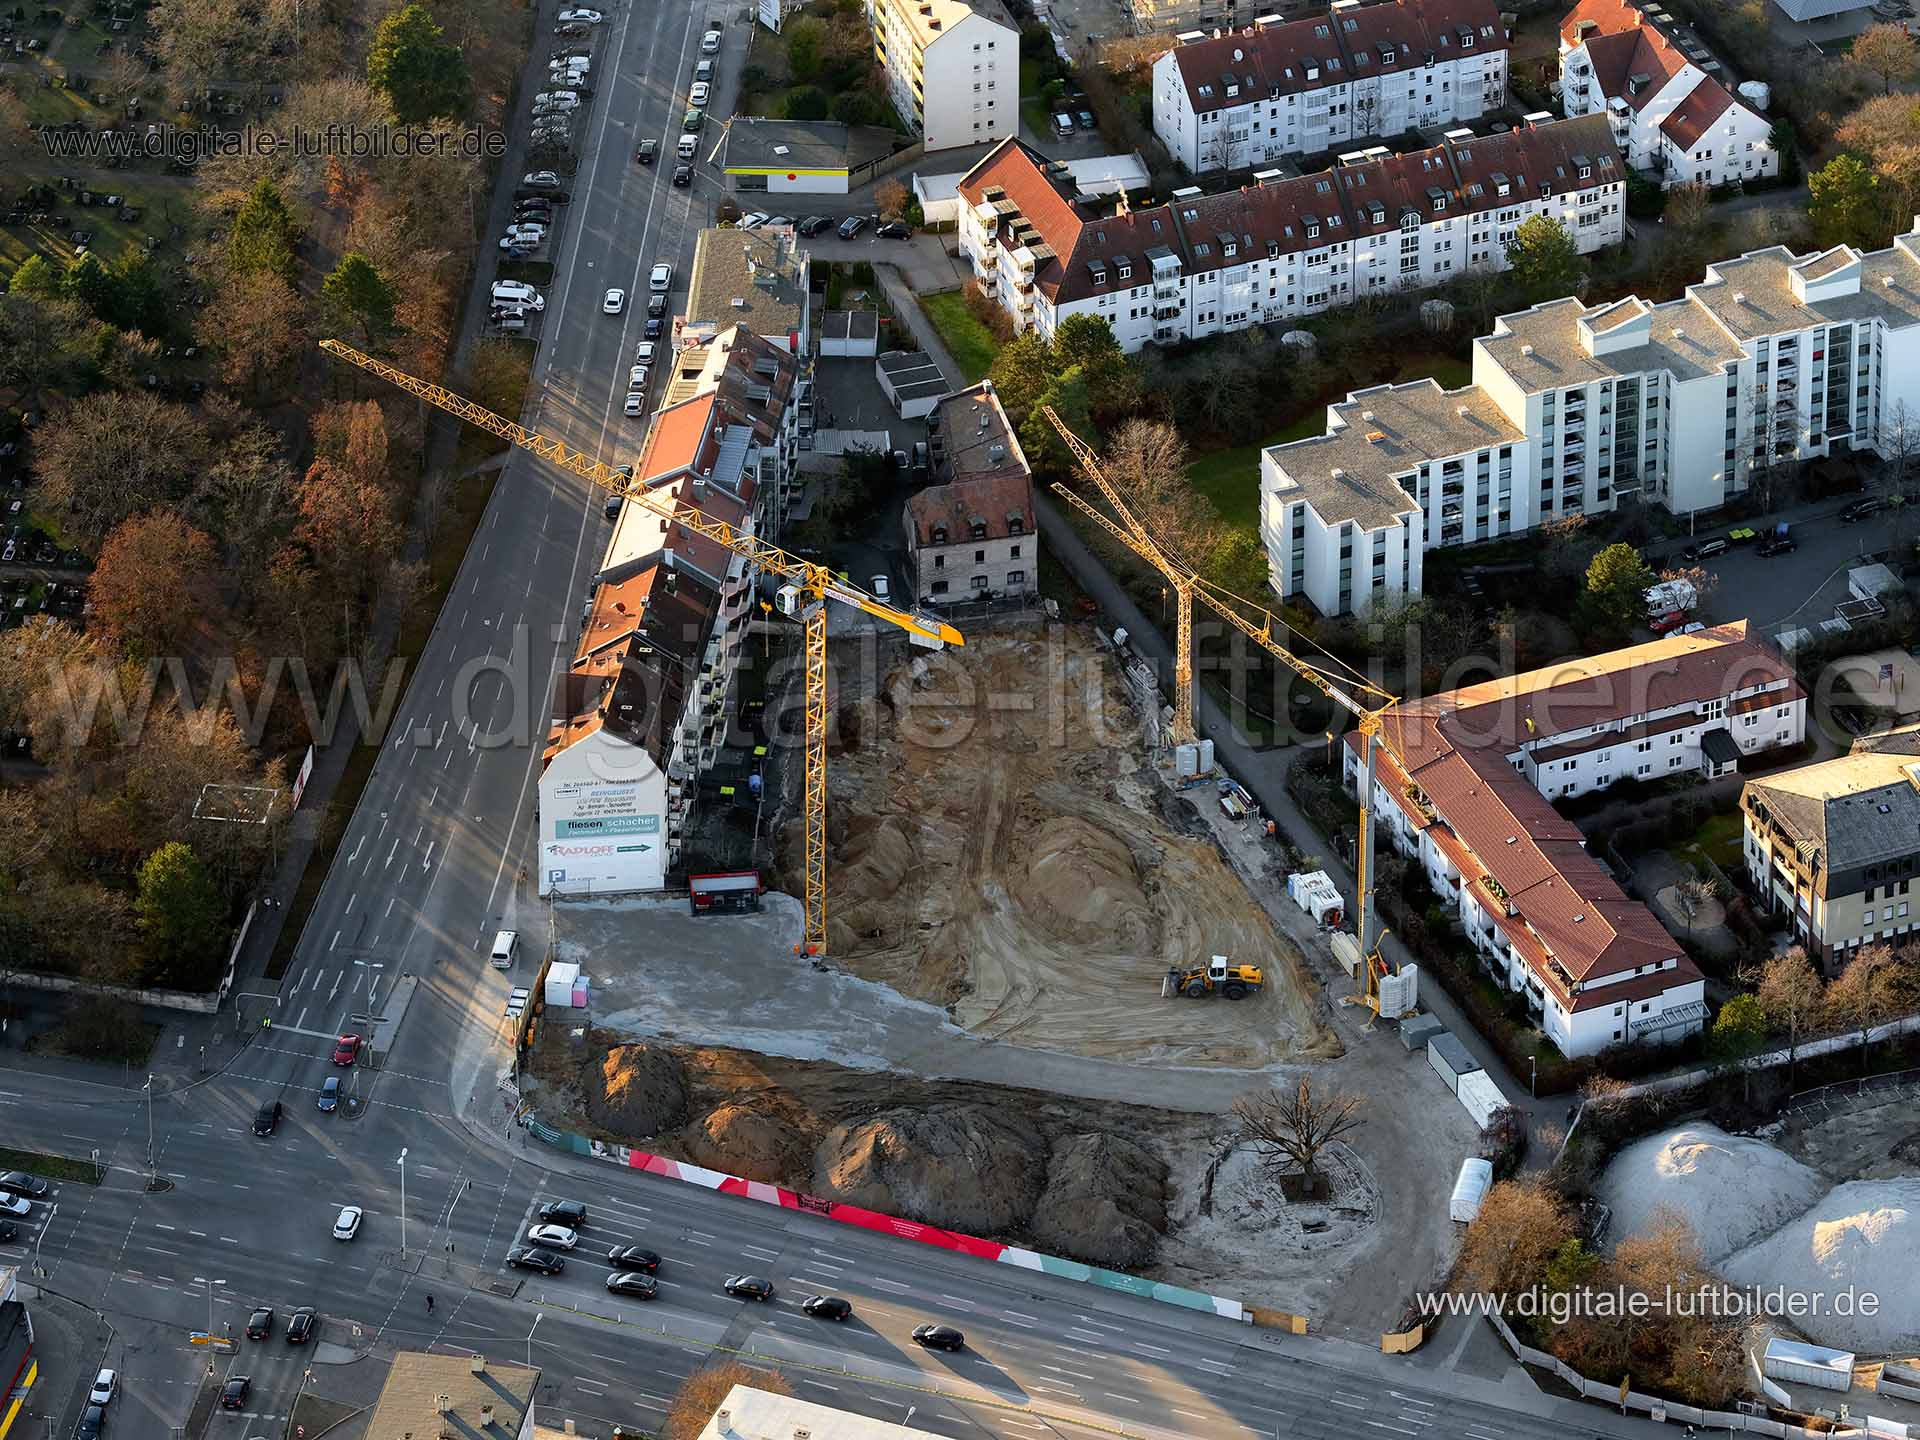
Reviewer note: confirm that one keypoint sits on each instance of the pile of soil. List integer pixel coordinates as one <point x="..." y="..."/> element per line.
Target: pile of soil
<point x="1082" y="1179"/>
<point x="1081" y="884"/>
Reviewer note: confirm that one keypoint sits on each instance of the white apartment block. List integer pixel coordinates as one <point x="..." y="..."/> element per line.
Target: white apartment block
<point x="1462" y="785"/>
<point x="1205" y="265"/>
<point x="952" y="67"/>
<point x="1577" y="408"/>
<point x="1670" y="115"/>
<point x="1256" y="96"/>
<point x="642" y="710"/>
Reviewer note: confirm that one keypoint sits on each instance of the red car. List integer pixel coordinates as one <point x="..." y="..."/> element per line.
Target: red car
<point x="1668" y="622"/>
<point x="346" y="1050"/>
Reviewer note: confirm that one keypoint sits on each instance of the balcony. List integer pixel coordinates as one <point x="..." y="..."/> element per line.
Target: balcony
<point x="1166" y="312"/>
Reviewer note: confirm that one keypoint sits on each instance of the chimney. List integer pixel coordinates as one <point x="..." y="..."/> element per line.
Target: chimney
<point x="1526" y="350"/>
<point x="723" y="1420"/>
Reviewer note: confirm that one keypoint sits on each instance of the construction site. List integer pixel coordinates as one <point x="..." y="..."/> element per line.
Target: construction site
<point x="1001" y="846"/>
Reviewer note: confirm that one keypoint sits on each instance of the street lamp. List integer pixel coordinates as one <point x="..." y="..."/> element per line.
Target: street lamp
<point x="210" y="1284"/>
<point x="373" y="983"/>
<point x="40" y="1239"/>
<point x="530" y="1329"/>
<point x="149" y="1090"/>
<point x="403" y="1202"/>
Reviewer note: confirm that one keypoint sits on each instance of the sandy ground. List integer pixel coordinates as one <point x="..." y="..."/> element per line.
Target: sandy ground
<point x="1000" y="849"/>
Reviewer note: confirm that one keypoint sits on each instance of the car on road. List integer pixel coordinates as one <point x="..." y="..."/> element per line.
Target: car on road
<point x="1705" y="550"/>
<point x="267" y="1118"/>
<point x="634" y="1283"/>
<point x="683" y="175"/>
<point x="703" y="69"/>
<point x="532" y="1257"/>
<point x="643" y="353"/>
<point x="852" y="226"/>
<point x="1861" y="508"/>
<point x="91" y="1419"/>
<point x="697" y="93"/>
<point x="233" y="1394"/>
<point x="573" y="1213"/>
<point x="646" y="151"/>
<point x="330" y="1095"/>
<point x="346" y="1050"/>
<point x="635" y="404"/>
<point x="814" y="224"/>
<point x="637" y="378"/>
<point x="710" y="43"/>
<point x="348" y="1225"/>
<point x="1778" y="545"/>
<point x="879" y="586"/>
<point x="614" y="303"/>
<point x="542" y="178"/>
<point x="655" y="327"/>
<point x="300" y="1325"/>
<point x="578" y="17"/>
<point x="939" y="1337"/>
<point x="656" y="305"/>
<point x="13" y="1205"/>
<point x="554" y="1237"/>
<point x="894" y="230"/>
<point x="632" y="1257"/>
<point x="826" y="1307"/>
<point x="260" y="1323"/>
<point x="752" y="220"/>
<point x="19" y="1182"/>
<point x="660" y="278"/>
<point x="748" y="1287"/>
<point x="106" y="1385"/>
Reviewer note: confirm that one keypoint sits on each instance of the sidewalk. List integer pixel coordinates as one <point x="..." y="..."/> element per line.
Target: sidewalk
<point x="72" y="1343"/>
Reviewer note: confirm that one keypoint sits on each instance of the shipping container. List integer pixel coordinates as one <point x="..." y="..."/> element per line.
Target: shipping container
<point x="561" y="976"/>
<point x="1450" y="1059"/>
<point x="1813" y="1365"/>
<point x="1480" y="1096"/>
<point x="1415" y="1033"/>
<point x="1470" y="1190"/>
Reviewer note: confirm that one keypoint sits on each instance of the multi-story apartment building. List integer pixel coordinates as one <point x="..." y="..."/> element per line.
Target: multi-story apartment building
<point x="1670" y="114"/>
<point x="642" y="710"/>
<point x="1462" y="787"/>
<point x="1254" y="97"/>
<point x="1834" y="848"/>
<point x="1208" y="264"/>
<point x="1575" y="409"/>
<point x="973" y="535"/>
<point x="952" y="68"/>
<point x="757" y="278"/>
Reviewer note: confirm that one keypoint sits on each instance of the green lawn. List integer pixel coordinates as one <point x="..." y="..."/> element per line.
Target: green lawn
<point x="1719" y="840"/>
<point x="160" y="206"/>
<point x="971" y="343"/>
<point x="1231" y="478"/>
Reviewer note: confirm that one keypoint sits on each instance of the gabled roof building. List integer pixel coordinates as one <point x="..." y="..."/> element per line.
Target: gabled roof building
<point x="973" y="535"/>
<point x="1278" y="88"/>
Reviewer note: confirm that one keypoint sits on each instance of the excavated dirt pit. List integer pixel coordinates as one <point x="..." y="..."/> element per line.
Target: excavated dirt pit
<point x="1154" y="1192"/>
<point x="999" y="847"/>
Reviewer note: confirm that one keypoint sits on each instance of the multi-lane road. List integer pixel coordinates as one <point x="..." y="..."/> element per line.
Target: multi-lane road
<point x="429" y="867"/>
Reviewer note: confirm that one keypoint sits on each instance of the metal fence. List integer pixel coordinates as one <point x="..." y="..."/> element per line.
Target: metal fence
<point x="1842" y="1092"/>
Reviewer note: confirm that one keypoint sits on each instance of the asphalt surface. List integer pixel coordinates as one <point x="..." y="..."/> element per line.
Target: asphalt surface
<point x="430" y="865"/>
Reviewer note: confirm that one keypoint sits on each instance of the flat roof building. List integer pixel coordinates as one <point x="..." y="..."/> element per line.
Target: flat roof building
<point x="749" y="1414"/>
<point x="454" y="1395"/>
<point x="802" y="156"/>
<point x="756" y="278"/>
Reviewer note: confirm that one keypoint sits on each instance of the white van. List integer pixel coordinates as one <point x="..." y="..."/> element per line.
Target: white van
<point x="506" y="944"/>
<point x="710" y="43"/>
<point x="688" y="144"/>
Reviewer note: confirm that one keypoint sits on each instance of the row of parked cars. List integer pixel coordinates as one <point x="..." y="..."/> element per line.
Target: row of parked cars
<point x="557" y="1231"/>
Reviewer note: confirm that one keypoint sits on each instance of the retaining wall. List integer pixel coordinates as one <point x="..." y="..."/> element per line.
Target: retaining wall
<point x="913" y="1230"/>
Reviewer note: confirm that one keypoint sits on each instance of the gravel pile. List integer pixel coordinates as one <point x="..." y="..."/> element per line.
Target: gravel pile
<point x="1731" y="1189"/>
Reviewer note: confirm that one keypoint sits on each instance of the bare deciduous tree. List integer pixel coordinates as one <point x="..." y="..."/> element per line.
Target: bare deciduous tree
<point x="1875" y="986"/>
<point x="701" y="1392"/>
<point x="1291" y="1129"/>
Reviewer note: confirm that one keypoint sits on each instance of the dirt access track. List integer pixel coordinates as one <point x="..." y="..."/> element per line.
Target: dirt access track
<point x="999" y="846"/>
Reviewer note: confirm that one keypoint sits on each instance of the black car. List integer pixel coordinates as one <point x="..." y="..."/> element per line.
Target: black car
<point x="1860" y="509"/>
<point x="570" y="1213"/>
<point x="260" y="1323"/>
<point x="266" y="1118"/>
<point x="646" y="151"/>
<point x="19" y="1182"/>
<point x="300" y="1325"/>
<point x="9" y="1232"/>
<point x="826" y="1307"/>
<point x="939" y="1337"/>
<point x="90" y="1423"/>
<point x="655" y="328"/>
<point x="1781" y="545"/>
<point x="534" y="211"/>
<point x="632" y="1257"/>
<point x="531" y="1257"/>
<point x="852" y="226"/>
<point x="656" y="305"/>
<point x="683" y="175"/>
<point x="632" y="1282"/>
<point x="894" y="230"/>
<point x="233" y="1394"/>
<point x="814" y="224"/>
<point x="749" y="1287"/>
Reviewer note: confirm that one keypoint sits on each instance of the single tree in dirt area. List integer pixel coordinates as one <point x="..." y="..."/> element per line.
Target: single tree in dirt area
<point x="1291" y="1129"/>
<point x="700" y="1395"/>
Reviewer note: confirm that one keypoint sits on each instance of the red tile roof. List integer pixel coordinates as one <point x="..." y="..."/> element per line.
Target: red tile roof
<point x="1569" y="921"/>
<point x="1695" y="115"/>
<point x="989" y="499"/>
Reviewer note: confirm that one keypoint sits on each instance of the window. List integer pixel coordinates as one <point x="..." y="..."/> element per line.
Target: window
<point x="979" y="557"/>
<point x="1016" y="577"/>
<point x="979" y="530"/>
<point x="939" y="587"/>
<point x="979" y="582"/>
<point x="1016" y="553"/>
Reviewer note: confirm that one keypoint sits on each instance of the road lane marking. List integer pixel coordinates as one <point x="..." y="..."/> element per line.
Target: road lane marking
<point x="301" y="1018"/>
<point x="1397" y="1429"/>
<point x="893" y="1285"/>
<point x="1116" y="1329"/>
<point x="1155" y="1350"/>
<point x="427" y="863"/>
<point x="1115" y="1395"/>
<point x="1190" y="1414"/>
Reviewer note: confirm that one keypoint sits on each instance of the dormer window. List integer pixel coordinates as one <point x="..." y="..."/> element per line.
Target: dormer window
<point x="1313" y="232"/>
<point x="1015" y="525"/>
<point x="1229" y="249"/>
<point x="939" y="534"/>
<point x="1466" y="41"/>
<point x="1126" y="272"/>
<point x="1586" y="172"/>
<point x="979" y="529"/>
<point x="1439" y="203"/>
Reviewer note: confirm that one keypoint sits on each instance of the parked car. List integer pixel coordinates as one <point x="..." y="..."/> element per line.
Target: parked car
<point x="91" y="1421"/>
<point x="547" y="179"/>
<point x="656" y="305"/>
<point x="635" y="404"/>
<point x="1861" y="508"/>
<point x="660" y="279"/>
<point x="852" y="226"/>
<point x="579" y="17"/>
<point x="106" y="1385"/>
<point x="1779" y="545"/>
<point x="1666" y="624"/>
<point x="814" y="224"/>
<point x="1705" y="550"/>
<point x="752" y="220"/>
<point x="1085" y="117"/>
<point x="894" y="230"/>
<point x="697" y="93"/>
<point x="1062" y="124"/>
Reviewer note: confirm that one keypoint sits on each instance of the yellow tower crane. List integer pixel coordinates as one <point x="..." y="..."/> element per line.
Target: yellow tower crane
<point x="1365" y="701"/>
<point x="804" y="591"/>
